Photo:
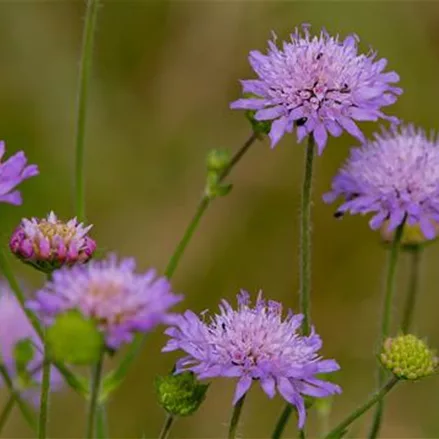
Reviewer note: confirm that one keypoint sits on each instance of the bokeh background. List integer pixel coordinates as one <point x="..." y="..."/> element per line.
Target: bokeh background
<point x="164" y="74"/>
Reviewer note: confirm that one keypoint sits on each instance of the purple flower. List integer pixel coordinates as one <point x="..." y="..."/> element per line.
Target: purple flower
<point x="14" y="326"/>
<point x="396" y="176"/>
<point x="121" y="301"/>
<point x="254" y="343"/>
<point x="50" y="243"/>
<point x="12" y="172"/>
<point x="318" y="85"/>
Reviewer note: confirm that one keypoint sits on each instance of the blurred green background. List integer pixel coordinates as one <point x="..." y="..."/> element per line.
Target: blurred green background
<point x="164" y="74"/>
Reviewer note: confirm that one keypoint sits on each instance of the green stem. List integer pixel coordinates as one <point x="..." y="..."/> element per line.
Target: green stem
<point x="169" y="421"/>
<point x="22" y="405"/>
<point x="84" y="81"/>
<point x="305" y="237"/>
<point x="44" y="398"/>
<point x="116" y="376"/>
<point x="377" y="397"/>
<point x="95" y="387"/>
<point x="102" y="422"/>
<point x="302" y="434"/>
<point x="7" y="410"/>
<point x="237" y="409"/>
<point x="386" y="321"/>
<point x="282" y="422"/>
<point x="409" y="308"/>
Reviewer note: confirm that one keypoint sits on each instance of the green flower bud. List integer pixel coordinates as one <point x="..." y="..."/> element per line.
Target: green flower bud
<point x="408" y="357"/>
<point x="24" y="351"/>
<point x="74" y="339"/>
<point x="218" y="160"/>
<point x="180" y="395"/>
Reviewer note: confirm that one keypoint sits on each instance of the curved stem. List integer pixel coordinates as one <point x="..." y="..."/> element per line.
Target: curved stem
<point x="7" y="410"/>
<point x="84" y="80"/>
<point x="95" y="387"/>
<point x="377" y="397"/>
<point x="386" y="320"/>
<point x="282" y="422"/>
<point x="235" y="418"/>
<point x="305" y="237"/>
<point x="409" y="308"/>
<point x="44" y="398"/>
<point x="169" y="421"/>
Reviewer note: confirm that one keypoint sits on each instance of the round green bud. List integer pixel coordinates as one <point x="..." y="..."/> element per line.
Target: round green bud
<point x="218" y="160"/>
<point x="408" y="357"/>
<point x="74" y="339"/>
<point x="181" y="394"/>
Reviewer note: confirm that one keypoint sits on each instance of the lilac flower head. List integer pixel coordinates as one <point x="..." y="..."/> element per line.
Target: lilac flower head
<point x="49" y="243"/>
<point x="254" y="343"/>
<point x="319" y="85"/>
<point x="395" y="176"/>
<point x="121" y="301"/>
<point x="14" y="326"/>
<point x="12" y="172"/>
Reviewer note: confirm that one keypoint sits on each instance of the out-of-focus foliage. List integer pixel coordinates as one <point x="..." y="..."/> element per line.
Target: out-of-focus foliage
<point x="164" y="74"/>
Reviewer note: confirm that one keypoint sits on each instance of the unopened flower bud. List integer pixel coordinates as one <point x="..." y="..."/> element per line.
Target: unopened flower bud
<point x="218" y="160"/>
<point x="408" y="357"/>
<point x="412" y="236"/>
<point x="74" y="339"/>
<point x="48" y="243"/>
<point x="181" y="394"/>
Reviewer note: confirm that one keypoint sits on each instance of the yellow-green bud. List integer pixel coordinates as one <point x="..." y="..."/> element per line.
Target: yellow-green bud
<point x="218" y="160"/>
<point x="180" y="395"/>
<point x="408" y="357"/>
<point x="74" y="339"/>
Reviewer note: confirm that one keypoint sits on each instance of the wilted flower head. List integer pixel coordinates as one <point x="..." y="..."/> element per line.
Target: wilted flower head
<point x="254" y="344"/>
<point x="121" y="301"/>
<point x="49" y="243"/>
<point x="15" y="327"/>
<point x="319" y="85"/>
<point x="395" y="176"/>
<point x="12" y="172"/>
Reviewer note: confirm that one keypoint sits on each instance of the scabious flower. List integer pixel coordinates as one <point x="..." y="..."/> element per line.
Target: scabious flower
<point x="254" y="344"/>
<point x="396" y="176"/>
<point x="12" y="172"/>
<point x="319" y="85"/>
<point x="49" y="243"/>
<point x="120" y="301"/>
<point x="14" y="327"/>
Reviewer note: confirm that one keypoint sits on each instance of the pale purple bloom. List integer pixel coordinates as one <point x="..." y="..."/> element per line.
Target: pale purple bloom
<point x="12" y="172"/>
<point x="49" y="243"/>
<point x="254" y="344"/>
<point x="395" y="176"/>
<point x="121" y="301"/>
<point x="14" y="326"/>
<point x="319" y="85"/>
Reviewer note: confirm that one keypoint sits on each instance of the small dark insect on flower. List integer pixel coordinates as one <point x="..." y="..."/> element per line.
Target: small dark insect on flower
<point x="300" y="122"/>
<point x="338" y="214"/>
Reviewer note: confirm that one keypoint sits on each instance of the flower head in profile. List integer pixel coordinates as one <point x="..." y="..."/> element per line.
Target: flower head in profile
<point x="49" y="243"/>
<point x="12" y="172"/>
<point x="119" y="300"/>
<point x="15" y="327"/>
<point x="317" y="85"/>
<point x="395" y="176"/>
<point x="254" y="344"/>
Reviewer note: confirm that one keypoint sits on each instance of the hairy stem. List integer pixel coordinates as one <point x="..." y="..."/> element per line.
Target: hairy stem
<point x="386" y="321"/>
<point x="95" y="388"/>
<point x="338" y="431"/>
<point x="44" y="398"/>
<point x="169" y="421"/>
<point x="236" y="414"/>
<point x="81" y="117"/>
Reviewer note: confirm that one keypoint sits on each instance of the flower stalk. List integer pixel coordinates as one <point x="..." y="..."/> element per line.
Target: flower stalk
<point x="236" y="414"/>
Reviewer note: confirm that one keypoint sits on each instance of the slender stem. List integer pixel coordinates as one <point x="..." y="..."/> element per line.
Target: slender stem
<point x="302" y="434"/>
<point x="305" y="237"/>
<point x="84" y="81"/>
<point x="409" y="308"/>
<point x="102" y="422"/>
<point x="235" y="417"/>
<point x="95" y="387"/>
<point x="7" y="410"/>
<point x="378" y="396"/>
<point x="282" y="422"/>
<point x="117" y="375"/>
<point x="169" y="421"/>
<point x="44" y="398"/>
<point x="386" y="320"/>
<point x="22" y="405"/>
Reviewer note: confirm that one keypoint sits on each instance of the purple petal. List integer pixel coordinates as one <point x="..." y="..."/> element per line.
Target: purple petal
<point x="241" y="388"/>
